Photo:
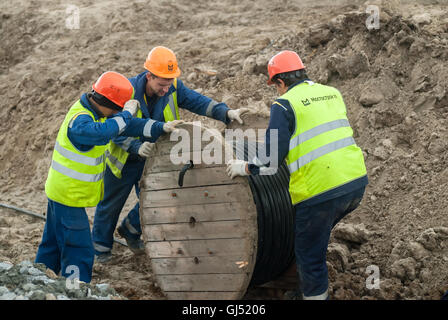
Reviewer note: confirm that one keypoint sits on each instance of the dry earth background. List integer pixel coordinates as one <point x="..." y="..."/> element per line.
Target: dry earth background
<point x="394" y="81"/>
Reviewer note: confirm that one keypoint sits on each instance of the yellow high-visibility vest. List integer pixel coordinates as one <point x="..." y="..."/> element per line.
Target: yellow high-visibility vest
<point x="75" y="177"/>
<point x="322" y="152"/>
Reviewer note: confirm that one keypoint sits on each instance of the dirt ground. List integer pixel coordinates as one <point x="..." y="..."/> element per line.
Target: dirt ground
<point x="394" y="81"/>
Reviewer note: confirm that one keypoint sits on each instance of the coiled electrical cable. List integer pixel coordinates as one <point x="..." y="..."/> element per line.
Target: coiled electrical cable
<point x="275" y="217"/>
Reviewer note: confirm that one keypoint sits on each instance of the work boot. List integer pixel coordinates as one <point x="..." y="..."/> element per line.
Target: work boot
<point x="103" y="257"/>
<point x="135" y="245"/>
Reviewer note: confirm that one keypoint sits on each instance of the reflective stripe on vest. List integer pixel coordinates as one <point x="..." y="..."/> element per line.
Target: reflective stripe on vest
<point x="76" y="157"/>
<point x="319" y="152"/>
<point x="75" y="174"/>
<point x="113" y="160"/>
<point x="75" y="177"/>
<point x="304" y="136"/>
<point x="172" y="106"/>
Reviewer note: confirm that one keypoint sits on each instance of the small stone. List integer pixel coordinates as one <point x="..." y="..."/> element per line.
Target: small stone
<point x="249" y="65"/>
<point x="50" y="274"/>
<point x="21" y="298"/>
<point x="425" y="275"/>
<point x="103" y="287"/>
<point x="380" y="153"/>
<point x="387" y="143"/>
<point x="8" y="296"/>
<point x="404" y="269"/>
<point x="3" y="290"/>
<point x="62" y="297"/>
<point x="23" y="270"/>
<point x="338" y="254"/>
<point x="50" y="296"/>
<point x="428" y="239"/>
<point x="350" y="232"/>
<point x="192" y="76"/>
<point x="38" y="295"/>
<point x="5" y="266"/>
<point x="34" y="271"/>
<point x="371" y="96"/>
<point x="421" y="19"/>
<point x="417" y="250"/>
<point x="29" y="287"/>
<point x="42" y="279"/>
<point x="25" y="263"/>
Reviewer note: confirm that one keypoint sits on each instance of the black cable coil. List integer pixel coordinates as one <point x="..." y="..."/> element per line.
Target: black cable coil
<point x="275" y="217"/>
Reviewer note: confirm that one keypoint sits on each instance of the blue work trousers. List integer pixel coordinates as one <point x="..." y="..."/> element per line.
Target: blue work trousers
<point x="66" y="244"/>
<point x="116" y="192"/>
<point x="312" y="234"/>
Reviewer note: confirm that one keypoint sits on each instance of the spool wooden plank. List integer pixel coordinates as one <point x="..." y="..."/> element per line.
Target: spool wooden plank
<point x="166" y="163"/>
<point x="200" y="230"/>
<point x="202" y="282"/>
<point x="204" y="295"/>
<point x="195" y="234"/>
<point x="190" y="138"/>
<point x="197" y="248"/>
<point x="192" y="178"/>
<point x="199" y="265"/>
<point x="199" y="212"/>
<point x="194" y="196"/>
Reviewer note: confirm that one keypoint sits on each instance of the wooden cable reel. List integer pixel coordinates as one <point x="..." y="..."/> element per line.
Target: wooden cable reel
<point x="199" y="226"/>
<point x="201" y="237"/>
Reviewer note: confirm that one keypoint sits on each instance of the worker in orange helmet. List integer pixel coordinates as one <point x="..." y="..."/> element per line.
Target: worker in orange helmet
<point x="327" y="171"/>
<point x="161" y="94"/>
<point x="75" y="178"/>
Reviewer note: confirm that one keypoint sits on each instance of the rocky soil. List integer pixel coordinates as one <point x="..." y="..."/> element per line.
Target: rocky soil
<point x="393" y="79"/>
<point x="29" y="281"/>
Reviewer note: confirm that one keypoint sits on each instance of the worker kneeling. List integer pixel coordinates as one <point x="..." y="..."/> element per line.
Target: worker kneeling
<point x="327" y="171"/>
<point x="75" y="178"/>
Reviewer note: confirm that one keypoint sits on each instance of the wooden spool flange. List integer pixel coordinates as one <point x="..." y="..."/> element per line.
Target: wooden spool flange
<point x="201" y="238"/>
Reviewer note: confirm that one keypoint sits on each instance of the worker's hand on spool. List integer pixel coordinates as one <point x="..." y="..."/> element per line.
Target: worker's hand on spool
<point x="145" y="149"/>
<point x="237" y="167"/>
<point x="236" y="114"/>
<point x="171" y="125"/>
<point x="132" y="106"/>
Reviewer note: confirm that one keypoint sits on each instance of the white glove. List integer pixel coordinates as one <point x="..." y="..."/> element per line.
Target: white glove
<point x="236" y="167"/>
<point x="145" y="149"/>
<point x="236" y="114"/>
<point x="171" y="125"/>
<point x="132" y="106"/>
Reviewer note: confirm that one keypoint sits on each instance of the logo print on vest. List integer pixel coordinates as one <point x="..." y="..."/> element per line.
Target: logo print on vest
<point x="306" y="102"/>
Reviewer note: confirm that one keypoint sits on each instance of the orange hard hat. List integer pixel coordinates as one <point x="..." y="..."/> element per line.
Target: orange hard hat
<point x="115" y="87"/>
<point x="162" y="62"/>
<point x="284" y="61"/>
